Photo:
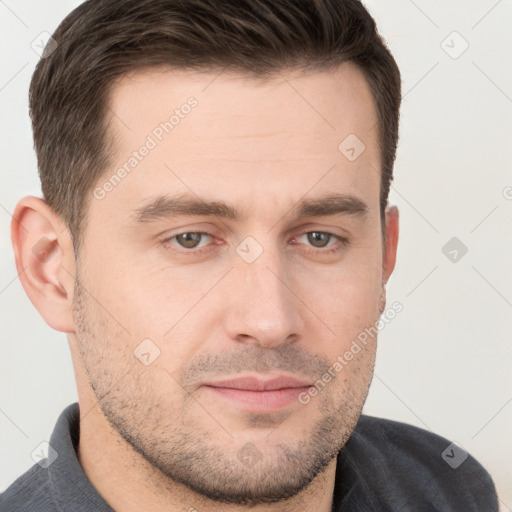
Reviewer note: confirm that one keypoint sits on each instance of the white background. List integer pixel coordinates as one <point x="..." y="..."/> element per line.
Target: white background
<point x="444" y="362"/>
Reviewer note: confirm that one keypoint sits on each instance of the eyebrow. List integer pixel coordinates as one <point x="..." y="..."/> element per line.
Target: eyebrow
<point x="165" y="206"/>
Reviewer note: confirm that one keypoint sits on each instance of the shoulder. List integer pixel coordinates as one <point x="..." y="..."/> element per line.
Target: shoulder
<point x="57" y="482"/>
<point x="407" y="466"/>
<point x="30" y="492"/>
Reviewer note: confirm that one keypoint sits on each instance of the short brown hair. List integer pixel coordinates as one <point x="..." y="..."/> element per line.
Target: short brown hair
<point x="101" y="40"/>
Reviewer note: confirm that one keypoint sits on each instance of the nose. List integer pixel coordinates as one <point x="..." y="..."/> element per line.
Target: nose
<point x="264" y="307"/>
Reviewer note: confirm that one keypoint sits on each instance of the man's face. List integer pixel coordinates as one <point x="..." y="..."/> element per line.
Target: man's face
<point x="162" y="313"/>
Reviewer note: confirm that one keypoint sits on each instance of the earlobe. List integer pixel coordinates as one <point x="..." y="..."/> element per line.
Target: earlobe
<point x="44" y="257"/>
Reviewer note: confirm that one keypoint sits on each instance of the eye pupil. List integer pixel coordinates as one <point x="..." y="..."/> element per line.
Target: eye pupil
<point x="316" y="236"/>
<point x="189" y="240"/>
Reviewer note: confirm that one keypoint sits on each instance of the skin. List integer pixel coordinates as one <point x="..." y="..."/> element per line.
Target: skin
<point x="154" y="437"/>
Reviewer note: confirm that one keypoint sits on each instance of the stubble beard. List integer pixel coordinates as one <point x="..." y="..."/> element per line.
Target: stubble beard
<point x="186" y="452"/>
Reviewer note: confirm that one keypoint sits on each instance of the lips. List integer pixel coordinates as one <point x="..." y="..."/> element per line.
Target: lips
<point x="255" y="384"/>
<point x="256" y="395"/>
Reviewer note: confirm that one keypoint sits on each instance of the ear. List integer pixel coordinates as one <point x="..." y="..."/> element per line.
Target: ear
<point x="391" y="244"/>
<point x="45" y="261"/>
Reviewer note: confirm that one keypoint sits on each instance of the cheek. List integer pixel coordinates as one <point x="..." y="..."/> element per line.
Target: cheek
<point x="124" y="369"/>
<point x="136" y="310"/>
<point x="102" y="342"/>
<point x="347" y="300"/>
<point x="141" y="306"/>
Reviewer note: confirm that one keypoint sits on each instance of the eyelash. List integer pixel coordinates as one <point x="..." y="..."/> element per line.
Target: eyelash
<point x="342" y="243"/>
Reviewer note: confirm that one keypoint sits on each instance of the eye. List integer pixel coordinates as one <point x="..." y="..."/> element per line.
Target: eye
<point x="188" y="240"/>
<point x="318" y="238"/>
<point x="321" y="239"/>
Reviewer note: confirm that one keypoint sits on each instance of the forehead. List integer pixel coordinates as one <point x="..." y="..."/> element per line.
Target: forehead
<point x="328" y="104"/>
<point x="230" y="136"/>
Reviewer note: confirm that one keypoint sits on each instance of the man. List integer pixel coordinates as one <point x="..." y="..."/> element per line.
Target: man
<point x="215" y="240"/>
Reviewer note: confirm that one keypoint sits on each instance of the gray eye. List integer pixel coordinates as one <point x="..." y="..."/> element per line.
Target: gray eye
<point x="189" y="240"/>
<point x="318" y="239"/>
